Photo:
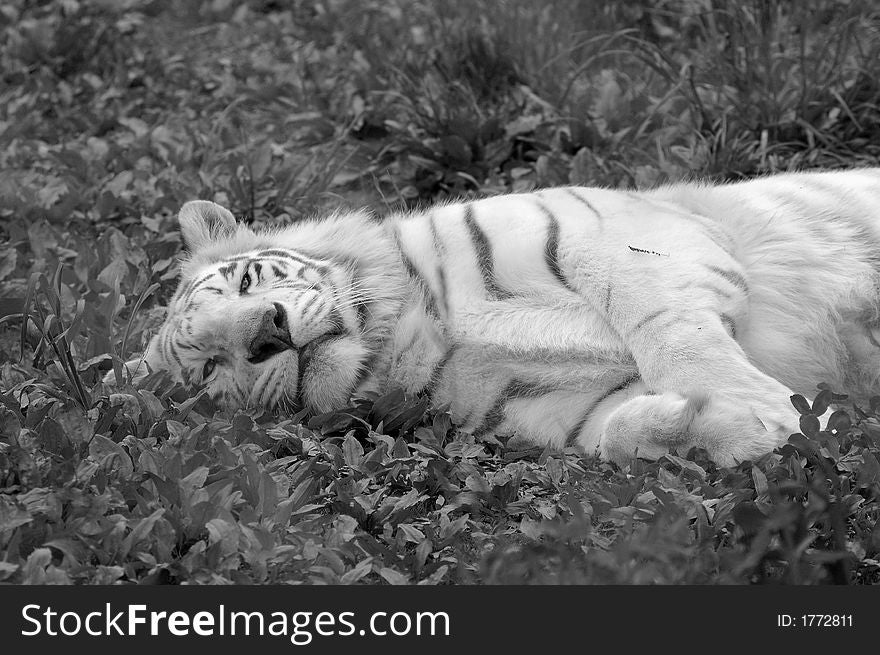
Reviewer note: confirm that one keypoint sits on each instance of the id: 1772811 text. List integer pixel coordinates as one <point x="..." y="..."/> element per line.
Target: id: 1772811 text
<point x="814" y="620"/>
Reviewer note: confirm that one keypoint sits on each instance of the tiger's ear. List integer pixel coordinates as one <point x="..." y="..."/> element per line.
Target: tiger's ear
<point x="203" y="221"/>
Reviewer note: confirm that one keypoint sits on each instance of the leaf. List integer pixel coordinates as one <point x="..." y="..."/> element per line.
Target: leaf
<point x="760" y="480"/>
<point x="7" y="569"/>
<point x="531" y="529"/>
<point x="809" y="425"/>
<point x="110" y="455"/>
<point x="12" y="516"/>
<point x="749" y="517"/>
<point x="393" y="577"/>
<point x="195" y="480"/>
<point x="687" y="465"/>
<point x="283" y="513"/>
<point x="423" y="551"/>
<point x="364" y="567"/>
<point x="82" y="367"/>
<point x="478" y="484"/>
<point x="8" y="262"/>
<point x="869" y="472"/>
<point x="555" y="469"/>
<point x="136" y="125"/>
<point x="800" y="404"/>
<point x="839" y="421"/>
<point x="304" y="492"/>
<point x="400" y="450"/>
<point x="411" y="533"/>
<point x="449" y="528"/>
<point x="140" y="532"/>
<point x="822" y="402"/>
<point x="410" y="498"/>
<point x="34" y="568"/>
<point x="153" y="405"/>
<point x="268" y="495"/>
<point x="352" y="450"/>
<point x="409" y="417"/>
<point x="436" y="577"/>
<point x="389" y="404"/>
<point x="224" y="533"/>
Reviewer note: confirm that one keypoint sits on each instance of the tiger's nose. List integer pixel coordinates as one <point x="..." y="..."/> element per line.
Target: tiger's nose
<point x="272" y="335"/>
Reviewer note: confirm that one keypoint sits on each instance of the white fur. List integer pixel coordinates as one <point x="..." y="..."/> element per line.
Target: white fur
<point x="706" y="306"/>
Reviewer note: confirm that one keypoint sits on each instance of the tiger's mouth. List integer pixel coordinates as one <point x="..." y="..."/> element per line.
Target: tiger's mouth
<point x="270" y="348"/>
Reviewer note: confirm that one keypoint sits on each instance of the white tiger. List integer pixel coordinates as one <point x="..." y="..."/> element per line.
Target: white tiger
<point x="628" y="323"/>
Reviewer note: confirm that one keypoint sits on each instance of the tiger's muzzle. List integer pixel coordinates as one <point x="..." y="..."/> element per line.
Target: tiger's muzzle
<point x="272" y="336"/>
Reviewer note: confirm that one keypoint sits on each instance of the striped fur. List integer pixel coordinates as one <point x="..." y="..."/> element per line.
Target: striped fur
<point x="623" y="322"/>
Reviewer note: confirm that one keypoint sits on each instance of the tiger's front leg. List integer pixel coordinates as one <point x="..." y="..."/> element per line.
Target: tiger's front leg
<point x="705" y="393"/>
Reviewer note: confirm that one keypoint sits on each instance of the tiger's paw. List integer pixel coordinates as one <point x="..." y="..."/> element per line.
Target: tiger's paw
<point x="650" y="426"/>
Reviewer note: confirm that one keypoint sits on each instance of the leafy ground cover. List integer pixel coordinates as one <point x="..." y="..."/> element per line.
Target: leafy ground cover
<point x="112" y="114"/>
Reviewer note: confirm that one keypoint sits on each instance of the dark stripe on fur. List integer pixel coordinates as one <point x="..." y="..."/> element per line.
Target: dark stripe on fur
<point x="416" y="276"/>
<point x="441" y="273"/>
<point x="337" y="320"/>
<point x="309" y="303"/>
<point x="362" y="315"/>
<point x="191" y="306"/>
<point x="647" y="319"/>
<point x="519" y="389"/>
<point x="437" y="371"/>
<point x="483" y="250"/>
<point x="305" y="260"/>
<point x="305" y="286"/>
<point x="188" y="346"/>
<point x="551" y="247"/>
<point x="300" y="374"/>
<point x="170" y="348"/>
<point x="493" y="418"/>
<point x="733" y="277"/>
<point x="514" y="389"/>
<point x="574" y="194"/>
<point x="729" y="324"/>
<point x="235" y="258"/>
<point x="192" y="286"/>
<point x="575" y="432"/>
<point x="708" y="287"/>
<point x="228" y="271"/>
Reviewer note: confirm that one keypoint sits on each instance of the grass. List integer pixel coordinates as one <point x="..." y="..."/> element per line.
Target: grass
<point x="114" y="114"/>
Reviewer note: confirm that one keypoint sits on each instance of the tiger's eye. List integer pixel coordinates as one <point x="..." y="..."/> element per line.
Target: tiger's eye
<point x="245" y="283"/>
<point x="210" y="365"/>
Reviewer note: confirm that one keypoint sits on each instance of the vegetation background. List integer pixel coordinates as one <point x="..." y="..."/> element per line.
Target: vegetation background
<point x="115" y="112"/>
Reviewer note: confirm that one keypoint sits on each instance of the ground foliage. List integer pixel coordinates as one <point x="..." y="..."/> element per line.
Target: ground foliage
<point x="113" y="113"/>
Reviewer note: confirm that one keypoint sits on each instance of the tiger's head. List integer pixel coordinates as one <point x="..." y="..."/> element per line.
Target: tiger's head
<point x="282" y="319"/>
